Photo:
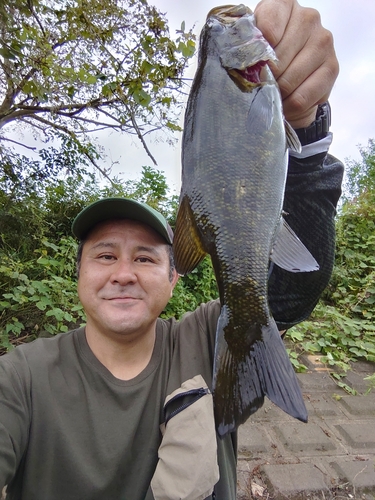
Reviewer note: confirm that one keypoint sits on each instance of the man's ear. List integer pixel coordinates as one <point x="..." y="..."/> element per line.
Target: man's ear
<point x="174" y="280"/>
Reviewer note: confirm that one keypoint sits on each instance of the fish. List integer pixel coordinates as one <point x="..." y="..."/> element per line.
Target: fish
<point x="234" y="165"/>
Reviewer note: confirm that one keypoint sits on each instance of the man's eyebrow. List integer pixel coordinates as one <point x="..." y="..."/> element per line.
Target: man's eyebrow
<point x="152" y="250"/>
<point x="104" y="244"/>
<point x="139" y="248"/>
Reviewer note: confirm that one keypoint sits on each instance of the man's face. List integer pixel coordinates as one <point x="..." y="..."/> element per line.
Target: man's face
<point x="124" y="282"/>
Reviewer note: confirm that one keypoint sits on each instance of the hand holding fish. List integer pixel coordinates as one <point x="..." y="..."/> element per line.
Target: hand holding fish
<point x="307" y="66"/>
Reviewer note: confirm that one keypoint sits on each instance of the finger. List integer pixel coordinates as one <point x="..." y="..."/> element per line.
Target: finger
<point x="302" y="34"/>
<point x="272" y="17"/>
<point x="300" y="106"/>
<point x="317" y="52"/>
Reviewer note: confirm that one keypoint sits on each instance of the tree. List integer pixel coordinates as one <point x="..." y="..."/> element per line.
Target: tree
<point x="360" y="175"/>
<point x="353" y="281"/>
<point x="78" y="66"/>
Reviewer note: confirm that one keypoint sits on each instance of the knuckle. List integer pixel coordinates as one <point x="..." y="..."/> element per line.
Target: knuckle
<point x="311" y="16"/>
<point x="270" y="32"/>
<point x="286" y="86"/>
<point x="298" y="103"/>
<point x="325" y="39"/>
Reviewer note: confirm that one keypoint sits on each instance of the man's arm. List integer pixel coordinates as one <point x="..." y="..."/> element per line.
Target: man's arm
<point x="306" y="70"/>
<point x="14" y="417"/>
<point x="312" y="192"/>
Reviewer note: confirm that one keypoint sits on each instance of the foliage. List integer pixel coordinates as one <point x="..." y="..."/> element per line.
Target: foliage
<point x="37" y="273"/>
<point x="192" y="290"/>
<point x="79" y="66"/>
<point x="48" y="304"/>
<point x="360" y="175"/>
<point x="338" y="337"/>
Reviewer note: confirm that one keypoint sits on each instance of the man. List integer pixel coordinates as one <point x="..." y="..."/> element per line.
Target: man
<point x="121" y="409"/>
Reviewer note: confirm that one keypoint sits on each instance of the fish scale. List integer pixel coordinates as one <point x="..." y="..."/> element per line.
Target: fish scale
<point x="234" y="165"/>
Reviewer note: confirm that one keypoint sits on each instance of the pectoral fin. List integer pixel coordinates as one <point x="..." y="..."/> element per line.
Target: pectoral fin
<point x="292" y="141"/>
<point x="187" y="246"/>
<point x="260" y="116"/>
<point x="290" y="253"/>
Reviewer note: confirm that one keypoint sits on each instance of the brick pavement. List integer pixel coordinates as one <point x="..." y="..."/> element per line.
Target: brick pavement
<point x="330" y="457"/>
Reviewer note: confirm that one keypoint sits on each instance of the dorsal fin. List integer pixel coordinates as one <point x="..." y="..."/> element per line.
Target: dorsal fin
<point x="187" y="246"/>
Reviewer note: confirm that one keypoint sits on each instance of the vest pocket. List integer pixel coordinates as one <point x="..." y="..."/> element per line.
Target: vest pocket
<point x="187" y="468"/>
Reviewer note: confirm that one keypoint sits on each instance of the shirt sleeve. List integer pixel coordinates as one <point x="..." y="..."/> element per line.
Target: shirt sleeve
<point x="312" y="192"/>
<point x="14" y="416"/>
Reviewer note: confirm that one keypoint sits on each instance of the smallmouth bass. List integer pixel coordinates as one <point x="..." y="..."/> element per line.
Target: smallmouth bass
<point x="234" y="166"/>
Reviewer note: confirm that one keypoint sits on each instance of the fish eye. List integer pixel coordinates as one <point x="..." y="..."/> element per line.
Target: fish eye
<point x="215" y="26"/>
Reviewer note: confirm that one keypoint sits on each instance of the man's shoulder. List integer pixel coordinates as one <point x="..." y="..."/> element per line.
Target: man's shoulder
<point x="204" y="313"/>
<point x="41" y="350"/>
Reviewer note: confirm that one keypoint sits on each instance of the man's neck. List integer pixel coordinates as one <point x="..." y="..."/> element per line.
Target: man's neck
<point x="125" y="358"/>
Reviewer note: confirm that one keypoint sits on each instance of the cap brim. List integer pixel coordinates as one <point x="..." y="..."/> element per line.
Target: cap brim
<point x="120" y="208"/>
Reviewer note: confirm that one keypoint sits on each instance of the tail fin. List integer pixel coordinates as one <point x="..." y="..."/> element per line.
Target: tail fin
<point x="242" y="380"/>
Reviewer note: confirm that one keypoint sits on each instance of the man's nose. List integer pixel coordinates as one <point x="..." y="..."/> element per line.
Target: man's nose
<point x="123" y="272"/>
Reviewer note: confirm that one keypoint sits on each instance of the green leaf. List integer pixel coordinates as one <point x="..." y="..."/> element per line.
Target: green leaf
<point x="91" y="79"/>
<point x="146" y="67"/>
<point x="174" y="127"/>
<point x="57" y="313"/>
<point x="43" y="303"/>
<point x="141" y="97"/>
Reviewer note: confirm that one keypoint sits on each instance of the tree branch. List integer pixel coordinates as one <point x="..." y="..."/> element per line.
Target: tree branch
<point x="74" y="136"/>
<point x="139" y="134"/>
<point x="30" y="5"/>
<point x="18" y="143"/>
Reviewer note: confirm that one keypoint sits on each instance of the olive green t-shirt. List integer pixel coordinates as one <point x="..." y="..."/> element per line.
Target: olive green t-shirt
<point x="69" y="430"/>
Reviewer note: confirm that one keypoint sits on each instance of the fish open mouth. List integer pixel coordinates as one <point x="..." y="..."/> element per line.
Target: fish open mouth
<point x="249" y="78"/>
<point x="252" y="73"/>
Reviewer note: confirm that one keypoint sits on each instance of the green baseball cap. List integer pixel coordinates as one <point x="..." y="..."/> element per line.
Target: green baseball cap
<point x="120" y="208"/>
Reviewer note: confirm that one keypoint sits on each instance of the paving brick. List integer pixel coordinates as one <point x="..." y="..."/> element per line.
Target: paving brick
<point x="365" y="367"/>
<point x="252" y="440"/>
<point x="304" y="438"/>
<point x="332" y="457"/>
<point x="324" y="407"/>
<point x="313" y="362"/>
<point x="359" y="435"/>
<point x="360" y="474"/>
<point x="359" y="405"/>
<point x="269" y="412"/>
<point x="356" y="381"/>
<point x="312" y="382"/>
<point x="293" y="480"/>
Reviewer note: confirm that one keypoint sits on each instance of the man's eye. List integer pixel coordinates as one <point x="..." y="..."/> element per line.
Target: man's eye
<point x="106" y="257"/>
<point x="143" y="259"/>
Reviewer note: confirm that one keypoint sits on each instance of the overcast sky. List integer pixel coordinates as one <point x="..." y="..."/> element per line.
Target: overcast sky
<point x="352" y="98"/>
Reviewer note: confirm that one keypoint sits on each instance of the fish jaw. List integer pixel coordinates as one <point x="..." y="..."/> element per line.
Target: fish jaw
<point x="241" y="45"/>
<point x="227" y="12"/>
